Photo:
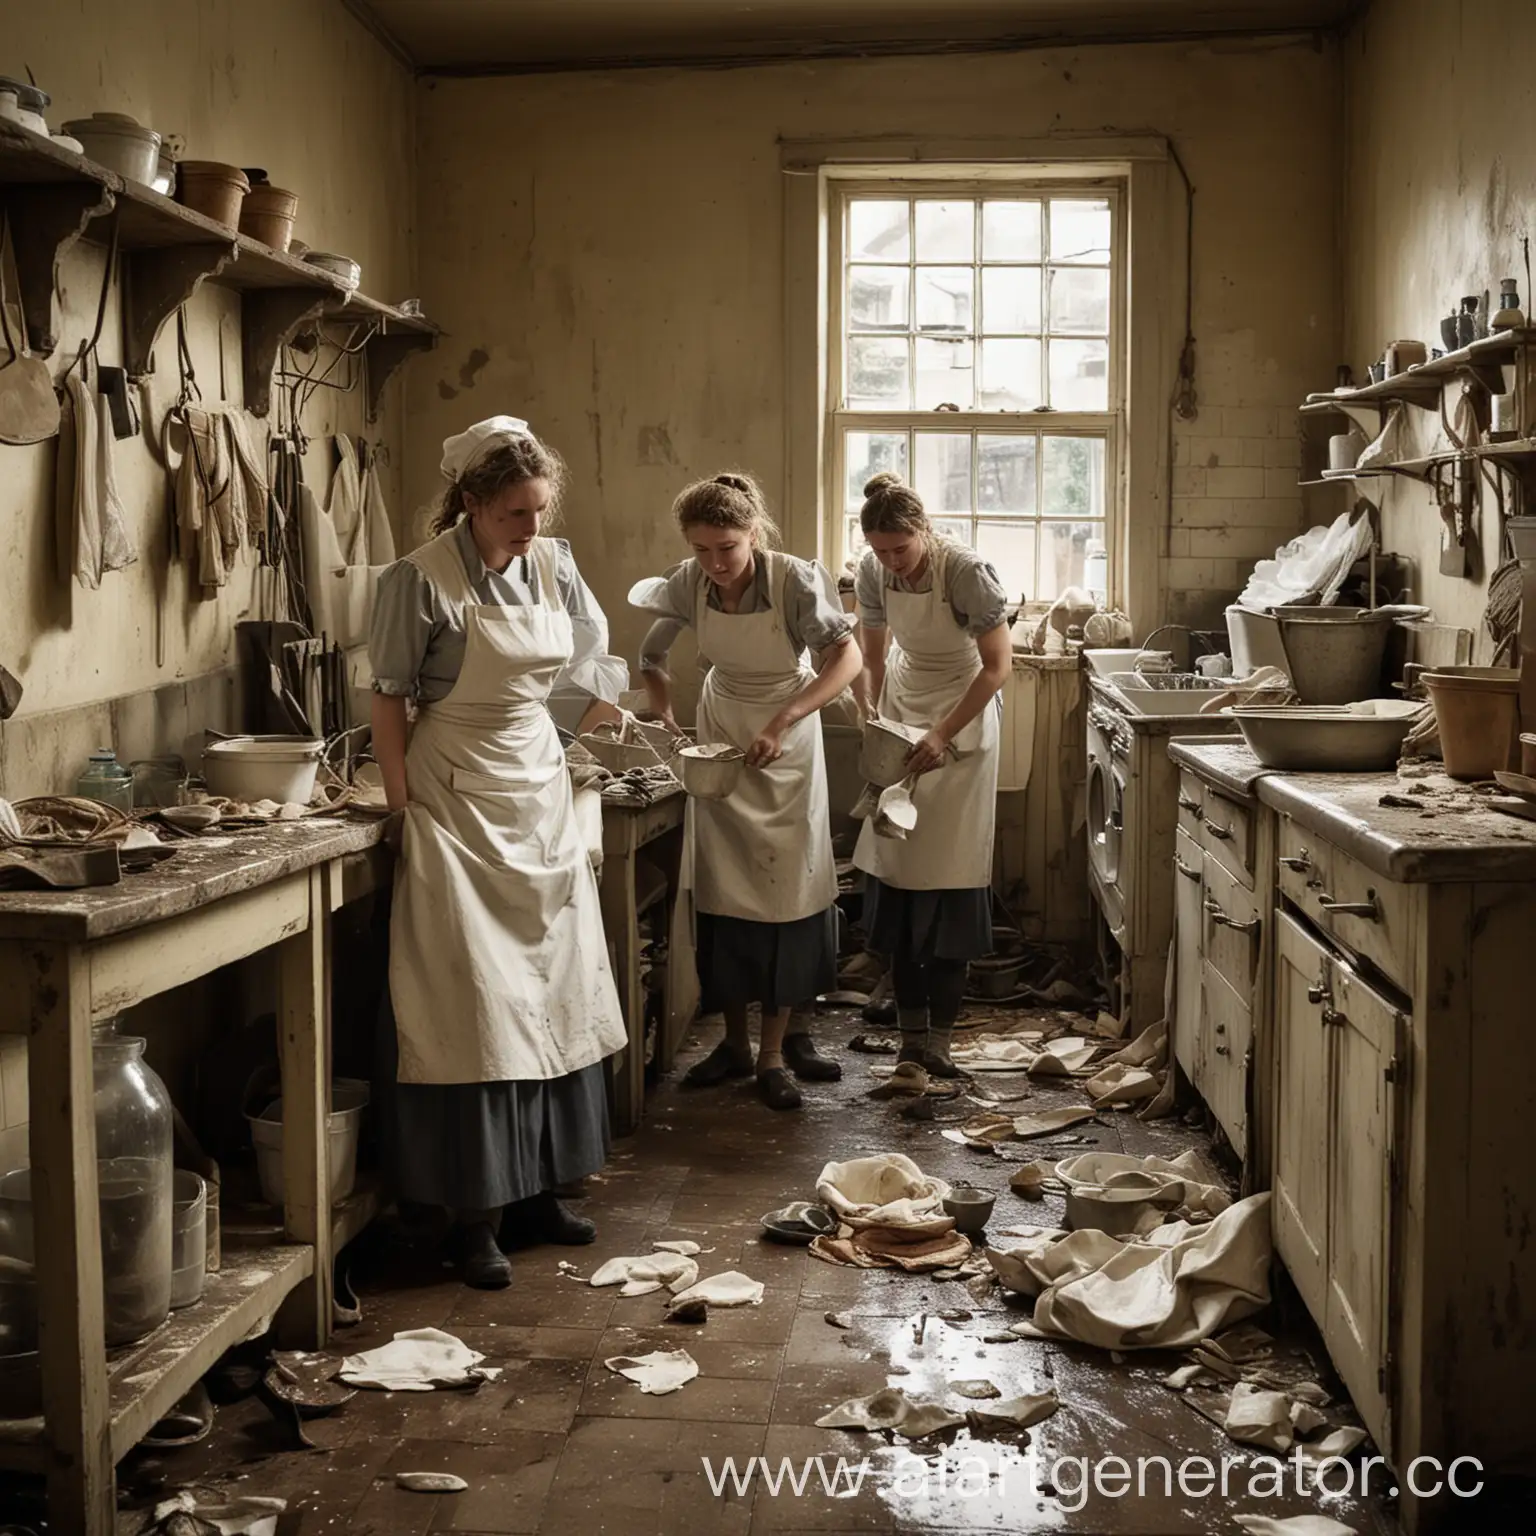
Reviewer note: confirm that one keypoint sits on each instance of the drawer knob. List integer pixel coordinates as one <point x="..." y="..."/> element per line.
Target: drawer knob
<point x="1370" y="908"/>
<point x="1297" y="861"/>
<point x="1223" y="834"/>
<point x="1318" y="993"/>
<point x="1192" y="806"/>
<point x="1222" y="1050"/>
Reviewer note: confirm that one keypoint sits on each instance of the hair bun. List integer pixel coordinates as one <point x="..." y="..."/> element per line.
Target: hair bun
<point x="736" y="483"/>
<point x="884" y="481"/>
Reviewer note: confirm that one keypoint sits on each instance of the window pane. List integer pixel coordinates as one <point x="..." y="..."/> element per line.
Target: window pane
<point x="1011" y="549"/>
<point x="865" y="455"/>
<point x="1079" y="230"/>
<point x="1010" y="299"/>
<point x="1074" y="477"/>
<point x="878" y="230"/>
<point x="1010" y="375"/>
<point x="957" y="528"/>
<point x="946" y="231"/>
<point x="877" y="298"/>
<point x="944" y="471"/>
<point x="1063" y="555"/>
<point x="944" y="373"/>
<point x="1079" y="375"/>
<point x="1005" y="474"/>
<point x="877" y="372"/>
<point x="1079" y="301"/>
<point x="944" y="299"/>
<point x="1010" y="231"/>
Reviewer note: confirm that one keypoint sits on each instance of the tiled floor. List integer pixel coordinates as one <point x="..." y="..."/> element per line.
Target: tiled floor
<point x="560" y="1444"/>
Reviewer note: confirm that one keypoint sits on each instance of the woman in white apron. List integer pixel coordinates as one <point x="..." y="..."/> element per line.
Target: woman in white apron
<point x="764" y="883"/>
<point x="503" y="1005"/>
<point x="928" y="898"/>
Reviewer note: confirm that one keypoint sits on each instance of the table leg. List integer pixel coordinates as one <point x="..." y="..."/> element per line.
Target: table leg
<point x="622" y="924"/>
<point x="303" y="1029"/>
<point x="66" y="1238"/>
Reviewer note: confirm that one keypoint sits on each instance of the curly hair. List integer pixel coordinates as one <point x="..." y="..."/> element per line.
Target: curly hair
<point x="727" y="501"/>
<point x="892" y="506"/>
<point x="522" y="459"/>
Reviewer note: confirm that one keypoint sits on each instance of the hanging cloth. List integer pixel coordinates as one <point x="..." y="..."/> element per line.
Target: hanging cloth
<point x="345" y="506"/>
<point x="99" y="540"/>
<point x="379" y="535"/>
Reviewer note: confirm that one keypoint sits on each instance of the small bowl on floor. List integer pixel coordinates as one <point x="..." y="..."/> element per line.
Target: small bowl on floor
<point x="799" y="1223"/>
<point x="971" y="1207"/>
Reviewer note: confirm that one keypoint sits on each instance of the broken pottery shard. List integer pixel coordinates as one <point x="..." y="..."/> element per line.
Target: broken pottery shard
<point x="1063" y="1057"/>
<point x="680" y="1245"/>
<point x="974" y="1389"/>
<point x="1342" y="1442"/>
<point x="988" y="1127"/>
<point x="999" y="1338"/>
<point x="1296" y="1525"/>
<point x="1305" y="1419"/>
<point x="1245" y="1342"/>
<point x="1310" y="1392"/>
<point x="1042" y="1122"/>
<point x="1120" y="1084"/>
<point x="657" y="1373"/>
<point x="417" y="1360"/>
<point x="430" y="1482"/>
<point x="908" y="1078"/>
<point x="695" y="1309"/>
<point x="1184" y="1376"/>
<point x="892" y="1409"/>
<point x="1021" y="1412"/>
<point x="1259" y="1417"/>
<point x="730" y="1289"/>
<point x="1030" y="1180"/>
<point x="840" y="1319"/>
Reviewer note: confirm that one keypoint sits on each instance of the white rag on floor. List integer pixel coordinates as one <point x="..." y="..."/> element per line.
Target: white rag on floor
<point x="419" y="1360"/>
<point x="728" y="1289"/>
<point x="1168" y="1290"/>
<point x="996" y="1053"/>
<point x="887" y="1190"/>
<point x="643" y="1273"/>
<point x="1296" y="1525"/>
<point x="660" y="1372"/>
<point x="249" y="1516"/>
<point x="891" y="1408"/>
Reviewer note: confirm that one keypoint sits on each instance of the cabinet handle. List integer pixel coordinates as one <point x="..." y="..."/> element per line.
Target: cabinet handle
<point x="1184" y="869"/>
<point x="1298" y="862"/>
<point x="1222" y="1050"/>
<point x="1222" y="833"/>
<point x="1369" y="908"/>
<point x="1216" y="915"/>
<point x="1318" y="993"/>
<point x="1332" y="1016"/>
<point x="1221" y="1029"/>
<point x="1192" y="806"/>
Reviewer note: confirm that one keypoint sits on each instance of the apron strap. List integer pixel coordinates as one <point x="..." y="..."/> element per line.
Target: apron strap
<point x="546" y="566"/>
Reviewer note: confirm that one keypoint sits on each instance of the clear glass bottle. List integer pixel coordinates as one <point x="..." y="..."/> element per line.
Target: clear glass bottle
<point x="105" y="779"/>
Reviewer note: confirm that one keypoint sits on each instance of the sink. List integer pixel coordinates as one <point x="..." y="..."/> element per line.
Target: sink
<point x="1143" y="699"/>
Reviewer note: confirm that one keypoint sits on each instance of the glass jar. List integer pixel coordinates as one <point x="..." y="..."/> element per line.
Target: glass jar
<point x="105" y="779"/>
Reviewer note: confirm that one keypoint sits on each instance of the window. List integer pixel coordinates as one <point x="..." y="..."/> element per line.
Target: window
<point x="975" y="352"/>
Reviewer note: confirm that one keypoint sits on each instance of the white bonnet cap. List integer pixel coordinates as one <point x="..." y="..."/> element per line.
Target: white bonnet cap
<point x="462" y="453"/>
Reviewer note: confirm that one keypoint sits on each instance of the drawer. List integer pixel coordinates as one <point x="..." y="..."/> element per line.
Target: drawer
<point x="1227" y="834"/>
<point x="1230" y="931"/>
<point x="1191" y="803"/>
<point x="1228" y="1046"/>
<point x="1358" y="909"/>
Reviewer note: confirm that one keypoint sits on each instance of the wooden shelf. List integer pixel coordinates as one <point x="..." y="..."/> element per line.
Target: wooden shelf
<point x="1421" y="386"/>
<point x="54" y="196"/>
<point x="147" y="1379"/>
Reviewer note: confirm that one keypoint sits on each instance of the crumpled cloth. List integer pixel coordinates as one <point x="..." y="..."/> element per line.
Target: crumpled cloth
<point x="1168" y="1290"/>
<point x="730" y="1288"/>
<point x="50" y="820"/>
<point x="641" y="786"/>
<point x="96" y="535"/>
<point x="419" y="1360"/>
<point x="997" y="1053"/>
<point x="645" y="1273"/>
<point x="915" y="1250"/>
<point x="660" y="1372"/>
<point x="585" y="769"/>
<point x="888" y="1190"/>
<point x="1266" y="685"/>
<point x="891" y="1408"/>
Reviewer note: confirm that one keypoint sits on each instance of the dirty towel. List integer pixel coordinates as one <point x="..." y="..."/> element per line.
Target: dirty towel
<point x="888" y="1190"/>
<point x="728" y="1289"/>
<point x="1179" y="1284"/>
<point x="417" y="1361"/>
<point x="662" y="1371"/>
<point x="892" y="1409"/>
<point x="643" y="1273"/>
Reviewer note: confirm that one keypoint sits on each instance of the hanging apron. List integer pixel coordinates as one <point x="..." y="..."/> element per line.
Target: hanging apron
<point x="765" y="852"/>
<point x="927" y="671"/>
<point x="498" y="961"/>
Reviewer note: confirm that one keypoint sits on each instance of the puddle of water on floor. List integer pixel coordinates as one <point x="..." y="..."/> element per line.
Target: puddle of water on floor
<point x="992" y="1484"/>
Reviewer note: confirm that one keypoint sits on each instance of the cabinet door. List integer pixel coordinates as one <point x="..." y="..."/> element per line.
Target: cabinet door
<point x="1189" y="920"/>
<point x="1228" y="1038"/>
<point x="1302" y="1110"/>
<point x="1365" y="1034"/>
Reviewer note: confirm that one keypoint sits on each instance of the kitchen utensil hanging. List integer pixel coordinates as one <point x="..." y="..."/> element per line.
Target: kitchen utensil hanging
<point x="29" y="409"/>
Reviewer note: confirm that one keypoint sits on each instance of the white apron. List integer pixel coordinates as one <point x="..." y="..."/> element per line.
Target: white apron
<point x="765" y="852"/>
<point x="927" y="671"/>
<point x="498" y="963"/>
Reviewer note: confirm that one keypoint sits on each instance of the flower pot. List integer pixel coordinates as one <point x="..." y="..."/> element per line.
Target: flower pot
<point x="213" y="189"/>
<point x="267" y="215"/>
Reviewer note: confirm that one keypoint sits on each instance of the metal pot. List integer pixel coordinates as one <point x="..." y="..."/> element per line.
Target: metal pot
<point x="1334" y="654"/>
<point x="249" y="768"/>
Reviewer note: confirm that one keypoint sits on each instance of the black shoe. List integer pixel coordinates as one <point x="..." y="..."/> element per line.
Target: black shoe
<point x="938" y="1064"/>
<point x="807" y="1063"/>
<point x="726" y="1060"/>
<point x="776" y="1090"/>
<point x="879" y="1013"/>
<point x="485" y="1265"/>
<point x="916" y="1055"/>
<point x="543" y="1219"/>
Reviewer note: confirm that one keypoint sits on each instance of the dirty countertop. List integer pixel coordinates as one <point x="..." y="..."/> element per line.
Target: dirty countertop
<point x="203" y="870"/>
<point x="1416" y="826"/>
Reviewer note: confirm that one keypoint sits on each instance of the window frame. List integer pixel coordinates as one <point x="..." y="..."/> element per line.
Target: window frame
<point x="1035" y="180"/>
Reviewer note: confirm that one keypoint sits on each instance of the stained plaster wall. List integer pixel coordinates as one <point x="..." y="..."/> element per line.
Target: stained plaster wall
<point x="608" y="251"/>
<point x="1440" y="183"/>
<point x="294" y="86"/>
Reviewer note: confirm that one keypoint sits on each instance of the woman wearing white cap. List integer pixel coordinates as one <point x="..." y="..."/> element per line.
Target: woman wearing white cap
<point x="503" y="1002"/>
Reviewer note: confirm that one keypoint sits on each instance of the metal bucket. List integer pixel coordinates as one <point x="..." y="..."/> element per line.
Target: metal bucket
<point x="1335" y="654"/>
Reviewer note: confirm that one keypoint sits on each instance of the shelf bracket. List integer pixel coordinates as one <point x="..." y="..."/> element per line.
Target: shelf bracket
<point x="269" y="317"/>
<point x="385" y="353"/>
<point x="45" y="222"/>
<point x="156" y="283"/>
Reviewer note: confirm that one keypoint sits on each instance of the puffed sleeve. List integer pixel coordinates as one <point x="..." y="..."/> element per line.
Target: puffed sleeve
<point x="404" y="618"/>
<point x="670" y="598"/>
<point x="591" y="672"/>
<point x="869" y="591"/>
<point x="976" y="596"/>
<point x="813" y="612"/>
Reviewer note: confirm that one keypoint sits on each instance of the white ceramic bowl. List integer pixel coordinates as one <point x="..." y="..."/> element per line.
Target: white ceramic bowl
<point x="710" y="773"/>
<point x="250" y="768"/>
<point x="1360" y="738"/>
